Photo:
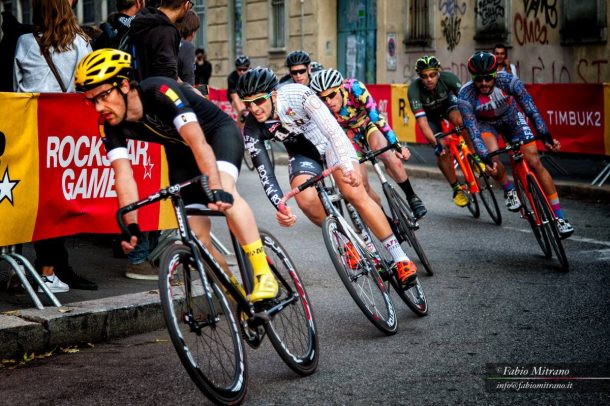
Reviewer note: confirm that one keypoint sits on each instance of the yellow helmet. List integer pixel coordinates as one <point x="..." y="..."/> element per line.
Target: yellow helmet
<point x="102" y="66"/>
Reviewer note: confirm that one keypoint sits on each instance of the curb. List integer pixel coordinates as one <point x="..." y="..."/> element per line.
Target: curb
<point x="35" y="331"/>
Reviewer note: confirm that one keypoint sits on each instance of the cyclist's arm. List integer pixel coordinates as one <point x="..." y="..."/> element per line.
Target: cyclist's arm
<point x="472" y="126"/>
<point x="424" y="126"/>
<point x="330" y="128"/>
<point x="126" y="186"/>
<point x="253" y="139"/>
<point x="368" y="102"/>
<point x="528" y="106"/>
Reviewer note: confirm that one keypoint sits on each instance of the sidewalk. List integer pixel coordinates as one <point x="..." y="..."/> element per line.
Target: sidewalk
<point x="124" y="307"/>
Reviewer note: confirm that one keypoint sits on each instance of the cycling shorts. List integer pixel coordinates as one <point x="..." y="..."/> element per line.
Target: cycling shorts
<point x="302" y="164"/>
<point x="434" y="120"/>
<point x="359" y="136"/>
<point x="228" y="147"/>
<point x="513" y="130"/>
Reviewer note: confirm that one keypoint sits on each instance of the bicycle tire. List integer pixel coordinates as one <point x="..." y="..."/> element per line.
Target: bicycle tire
<point x="366" y="287"/>
<point x="214" y="356"/>
<point x="548" y="223"/>
<point x="530" y="216"/>
<point x="473" y="203"/>
<point x="271" y="153"/>
<point x="486" y="192"/>
<point x="414" y="297"/>
<point x="248" y="160"/>
<point x="292" y="331"/>
<point x="406" y="225"/>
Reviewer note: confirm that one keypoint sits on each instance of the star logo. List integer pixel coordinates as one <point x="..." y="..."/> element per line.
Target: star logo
<point x="148" y="165"/>
<point x="6" y="187"/>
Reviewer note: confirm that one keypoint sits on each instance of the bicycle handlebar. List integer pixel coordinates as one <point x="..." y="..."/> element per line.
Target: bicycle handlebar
<point x="512" y="147"/>
<point x="308" y="183"/>
<point x="369" y="155"/>
<point x="455" y="130"/>
<point x="172" y="190"/>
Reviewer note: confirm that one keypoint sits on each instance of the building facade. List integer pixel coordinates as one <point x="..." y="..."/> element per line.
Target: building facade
<point x="378" y="41"/>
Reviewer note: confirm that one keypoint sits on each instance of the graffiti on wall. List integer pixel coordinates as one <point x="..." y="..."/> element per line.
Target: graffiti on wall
<point x="491" y="12"/>
<point x="543" y="7"/>
<point x="453" y="11"/>
<point x="532" y="27"/>
<point x="584" y="71"/>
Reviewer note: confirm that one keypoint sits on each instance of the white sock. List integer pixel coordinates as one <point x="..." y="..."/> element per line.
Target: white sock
<point x="394" y="248"/>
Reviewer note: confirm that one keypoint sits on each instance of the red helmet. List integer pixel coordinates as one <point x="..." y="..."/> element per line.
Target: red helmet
<point x="482" y="63"/>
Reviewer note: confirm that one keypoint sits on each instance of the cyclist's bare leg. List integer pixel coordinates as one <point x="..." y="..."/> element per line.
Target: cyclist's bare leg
<point x="456" y="119"/>
<point x="308" y="201"/>
<point x="393" y="165"/>
<point x="530" y="151"/>
<point x="492" y="145"/>
<point x="445" y="164"/>
<point x="200" y="226"/>
<point x="367" y="186"/>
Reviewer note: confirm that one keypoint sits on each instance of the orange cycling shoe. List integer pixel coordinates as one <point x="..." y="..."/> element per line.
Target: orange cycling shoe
<point x="406" y="271"/>
<point x="351" y="255"/>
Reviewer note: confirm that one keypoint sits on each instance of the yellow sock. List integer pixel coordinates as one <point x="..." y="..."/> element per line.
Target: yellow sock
<point x="257" y="256"/>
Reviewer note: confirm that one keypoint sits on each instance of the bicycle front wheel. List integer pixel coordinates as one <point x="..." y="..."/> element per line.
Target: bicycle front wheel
<point x="292" y="330"/>
<point x="548" y="222"/>
<point x="530" y="215"/>
<point x="406" y="225"/>
<point x="271" y="153"/>
<point x="473" y="203"/>
<point x="414" y="297"/>
<point x="248" y="160"/>
<point x="486" y="192"/>
<point x="361" y="281"/>
<point x="203" y="330"/>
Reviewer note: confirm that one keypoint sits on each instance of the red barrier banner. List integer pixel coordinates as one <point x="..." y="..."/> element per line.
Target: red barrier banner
<point x="58" y="179"/>
<point x="219" y="97"/>
<point x="574" y="114"/>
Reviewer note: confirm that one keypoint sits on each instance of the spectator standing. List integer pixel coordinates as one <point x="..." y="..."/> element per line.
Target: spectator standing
<point x="157" y="40"/>
<point x="11" y="31"/>
<point x="187" y="27"/>
<point x="504" y="64"/>
<point x="203" y="67"/>
<point x="242" y="64"/>
<point x="45" y="61"/>
<point x="118" y="23"/>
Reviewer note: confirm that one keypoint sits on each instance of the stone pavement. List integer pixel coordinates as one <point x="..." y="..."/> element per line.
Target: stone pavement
<point x="123" y="306"/>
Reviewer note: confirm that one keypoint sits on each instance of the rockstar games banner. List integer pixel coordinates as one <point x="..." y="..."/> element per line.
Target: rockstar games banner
<point x="55" y="179"/>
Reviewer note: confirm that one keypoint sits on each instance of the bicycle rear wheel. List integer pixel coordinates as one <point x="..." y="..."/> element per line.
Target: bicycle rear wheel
<point x="528" y="213"/>
<point x="414" y="297"/>
<point x="206" y="337"/>
<point x="269" y="147"/>
<point x="363" y="283"/>
<point x="248" y="160"/>
<point x="548" y="222"/>
<point x="486" y="192"/>
<point x="406" y="224"/>
<point x="292" y="331"/>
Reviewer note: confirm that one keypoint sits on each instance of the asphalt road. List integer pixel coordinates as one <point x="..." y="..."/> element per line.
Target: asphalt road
<point x="494" y="299"/>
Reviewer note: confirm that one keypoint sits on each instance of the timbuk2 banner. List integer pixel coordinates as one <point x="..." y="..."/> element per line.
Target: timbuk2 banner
<point x="55" y="179"/>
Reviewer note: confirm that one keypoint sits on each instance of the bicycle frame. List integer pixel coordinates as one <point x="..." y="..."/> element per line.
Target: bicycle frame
<point x="460" y="151"/>
<point x="203" y="256"/>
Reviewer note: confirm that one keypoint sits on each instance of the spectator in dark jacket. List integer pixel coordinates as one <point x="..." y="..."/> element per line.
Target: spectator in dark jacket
<point x="156" y="39"/>
<point x="203" y="67"/>
<point x="11" y="31"/>
<point x="186" y="55"/>
<point x="118" y="23"/>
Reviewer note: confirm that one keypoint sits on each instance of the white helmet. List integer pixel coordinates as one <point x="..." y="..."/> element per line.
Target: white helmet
<point x="326" y="79"/>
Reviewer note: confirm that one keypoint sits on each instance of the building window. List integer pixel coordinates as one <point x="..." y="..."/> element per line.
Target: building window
<point x="419" y="23"/>
<point x="583" y="21"/>
<point x="89" y="11"/>
<point x="492" y="21"/>
<point x="26" y="11"/>
<point x="277" y="24"/>
<point x="200" y="38"/>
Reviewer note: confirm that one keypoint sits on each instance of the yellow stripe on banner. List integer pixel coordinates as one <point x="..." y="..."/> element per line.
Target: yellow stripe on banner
<point x="607" y="117"/>
<point x="18" y="167"/>
<point x="167" y="218"/>
<point x="403" y="120"/>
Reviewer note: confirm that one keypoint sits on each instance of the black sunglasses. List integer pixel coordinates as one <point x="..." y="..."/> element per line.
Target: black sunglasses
<point x="100" y="97"/>
<point x="298" y="71"/>
<point x="330" y="95"/>
<point x="486" y="78"/>
<point x="257" y="101"/>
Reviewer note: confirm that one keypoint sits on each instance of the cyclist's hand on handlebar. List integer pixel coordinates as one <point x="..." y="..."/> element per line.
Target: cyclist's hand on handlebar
<point x="403" y="153"/>
<point x="286" y="218"/>
<point x="352" y="178"/>
<point x="551" y="143"/>
<point x="129" y="241"/>
<point x="439" y="150"/>
<point x="220" y="200"/>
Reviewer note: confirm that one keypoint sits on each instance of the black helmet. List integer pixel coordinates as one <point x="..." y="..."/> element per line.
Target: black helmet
<point x="297" y="58"/>
<point x="326" y="79"/>
<point x="482" y="63"/>
<point x="427" y="62"/>
<point x="316" y="66"/>
<point x="242" y="60"/>
<point x="257" y="80"/>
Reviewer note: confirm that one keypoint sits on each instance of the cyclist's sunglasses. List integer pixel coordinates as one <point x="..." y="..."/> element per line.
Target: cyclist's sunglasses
<point x="298" y="72"/>
<point x="257" y="101"/>
<point x="100" y="97"/>
<point x="486" y="78"/>
<point x="430" y="75"/>
<point x="330" y="95"/>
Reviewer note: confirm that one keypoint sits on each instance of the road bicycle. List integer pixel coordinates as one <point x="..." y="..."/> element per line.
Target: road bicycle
<point x="475" y="181"/>
<point x="268" y="147"/>
<point x="205" y="329"/>
<point x="402" y="216"/>
<point x="535" y="207"/>
<point x="357" y="266"/>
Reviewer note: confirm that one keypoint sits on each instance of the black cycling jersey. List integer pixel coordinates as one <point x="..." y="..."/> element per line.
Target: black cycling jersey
<point x="435" y="104"/>
<point x="167" y="107"/>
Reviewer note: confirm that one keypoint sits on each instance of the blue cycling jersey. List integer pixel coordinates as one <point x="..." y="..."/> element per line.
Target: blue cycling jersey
<point x="500" y="111"/>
